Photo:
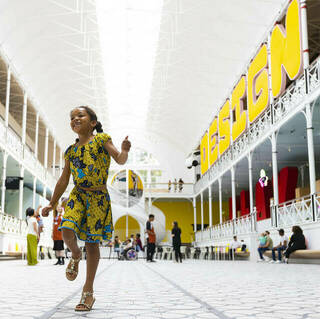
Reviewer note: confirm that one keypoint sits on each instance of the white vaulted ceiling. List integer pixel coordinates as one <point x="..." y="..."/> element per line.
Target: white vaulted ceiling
<point x="156" y="70"/>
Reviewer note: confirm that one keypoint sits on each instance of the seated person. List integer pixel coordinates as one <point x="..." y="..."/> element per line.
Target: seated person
<point x="234" y="246"/>
<point x="280" y="248"/>
<point x="264" y="247"/>
<point x="296" y="242"/>
<point x="243" y="245"/>
<point x="139" y="246"/>
<point x="126" y="246"/>
<point x="116" y="245"/>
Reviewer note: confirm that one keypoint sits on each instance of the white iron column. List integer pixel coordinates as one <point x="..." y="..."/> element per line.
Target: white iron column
<point x="210" y="206"/>
<point x="4" y="176"/>
<point x="194" y="214"/>
<point x="36" y="138"/>
<point x="34" y="192"/>
<point x="46" y="149"/>
<point x="312" y="169"/>
<point x="250" y="182"/>
<point x="201" y="198"/>
<point x="24" y="118"/>
<point x="21" y="191"/>
<point x="8" y="97"/>
<point x="233" y="188"/>
<point x="54" y="158"/>
<point x="306" y="62"/>
<point x="220" y="200"/>
<point x="275" y="169"/>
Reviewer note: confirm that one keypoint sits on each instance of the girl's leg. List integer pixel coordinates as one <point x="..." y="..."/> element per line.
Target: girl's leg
<point x="93" y="256"/>
<point x="70" y="239"/>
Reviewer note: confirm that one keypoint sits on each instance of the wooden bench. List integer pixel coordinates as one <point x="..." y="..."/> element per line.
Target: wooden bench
<point x="242" y="255"/>
<point x="303" y="256"/>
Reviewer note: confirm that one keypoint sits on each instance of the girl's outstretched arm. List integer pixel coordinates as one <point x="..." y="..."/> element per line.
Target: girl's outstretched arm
<point x="122" y="157"/>
<point x="60" y="188"/>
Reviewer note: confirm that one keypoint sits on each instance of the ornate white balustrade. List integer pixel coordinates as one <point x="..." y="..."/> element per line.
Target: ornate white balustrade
<point x="317" y="206"/>
<point x="240" y="226"/>
<point x="12" y="225"/>
<point x="291" y="100"/>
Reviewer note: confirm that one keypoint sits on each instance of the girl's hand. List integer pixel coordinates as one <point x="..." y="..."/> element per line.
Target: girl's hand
<point x="126" y="145"/>
<point x="46" y="210"/>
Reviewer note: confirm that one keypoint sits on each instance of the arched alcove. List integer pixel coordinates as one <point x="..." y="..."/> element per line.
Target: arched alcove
<point x="120" y="227"/>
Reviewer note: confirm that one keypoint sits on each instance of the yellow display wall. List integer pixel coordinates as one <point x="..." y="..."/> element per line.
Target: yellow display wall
<point x="120" y="227"/>
<point x="182" y="212"/>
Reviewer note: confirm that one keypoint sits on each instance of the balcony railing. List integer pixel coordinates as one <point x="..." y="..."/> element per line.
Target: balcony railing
<point x="12" y="225"/>
<point x="164" y="190"/>
<point x="239" y="226"/>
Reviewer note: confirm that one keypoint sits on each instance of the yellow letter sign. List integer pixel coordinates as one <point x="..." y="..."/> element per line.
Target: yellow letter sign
<point x="286" y="55"/>
<point x="258" y="86"/>
<point x="204" y="153"/>
<point x="213" y="142"/>
<point x="224" y="128"/>
<point x="240" y="121"/>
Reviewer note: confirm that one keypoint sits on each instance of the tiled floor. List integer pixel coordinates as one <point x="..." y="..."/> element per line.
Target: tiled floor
<point x="194" y="289"/>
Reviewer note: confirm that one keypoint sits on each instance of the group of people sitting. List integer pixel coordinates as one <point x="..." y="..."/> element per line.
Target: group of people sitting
<point x="285" y="246"/>
<point x="122" y="247"/>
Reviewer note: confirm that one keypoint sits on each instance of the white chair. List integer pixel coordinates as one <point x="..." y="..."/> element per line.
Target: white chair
<point x="192" y="252"/>
<point x="183" y="251"/>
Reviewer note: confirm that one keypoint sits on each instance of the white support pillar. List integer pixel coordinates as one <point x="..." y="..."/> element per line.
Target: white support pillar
<point x="54" y="158"/>
<point x="46" y="144"/>
<point x="275" y="168"/>
<point x="194" y="214"/>
<point x="210" y="206"/>
<point x="24" y="118"/>
<point x="304" y="29"/>
<point x="60" y="163"/>
<point x="8" y="97"/>
<point x="4" y="176"/>
<point x="311" y="161"/>
<point x="201" y="198"/>
<point x="250" y="182"/>
<point x="36" y="137"/>
<point x="21" y="191"/>
<point x="149" y="205"/>
<point x="220" y="200"/>
<point x="34" y="192"/>
<point x="233" y="189"/>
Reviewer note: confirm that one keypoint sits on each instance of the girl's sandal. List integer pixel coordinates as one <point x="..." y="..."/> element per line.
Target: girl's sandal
<point x="83" y="305"/>
<point x="72" y="269"/>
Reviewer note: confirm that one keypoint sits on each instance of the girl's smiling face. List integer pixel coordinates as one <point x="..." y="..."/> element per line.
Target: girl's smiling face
<point x="80" y="121"/>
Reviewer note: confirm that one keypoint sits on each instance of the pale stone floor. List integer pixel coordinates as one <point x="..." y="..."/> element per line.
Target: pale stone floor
<point x="193" y="289"/>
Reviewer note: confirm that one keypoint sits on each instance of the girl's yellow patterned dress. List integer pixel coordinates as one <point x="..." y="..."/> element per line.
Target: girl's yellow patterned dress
<point x="88" y="213"/>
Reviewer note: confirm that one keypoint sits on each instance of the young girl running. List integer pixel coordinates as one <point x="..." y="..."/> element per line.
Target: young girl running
<point x="88" y="211"/>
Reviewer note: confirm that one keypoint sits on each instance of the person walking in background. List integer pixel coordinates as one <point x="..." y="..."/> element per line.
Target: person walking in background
<point x="58" y="246"/>
<point x="32" y="237"/>
<point x="169" y="185"/>
<point x="176" y="241"/>
<point x="151" y="239"/>
<point x="297" y="242"/>
<point x="139" y="246"/>
<point x="280" y="248"/>
<point x="181" y="182"/>
<point x="175" y="185"/>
